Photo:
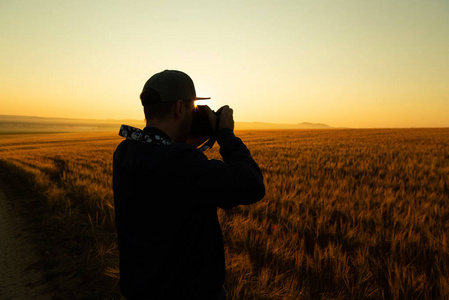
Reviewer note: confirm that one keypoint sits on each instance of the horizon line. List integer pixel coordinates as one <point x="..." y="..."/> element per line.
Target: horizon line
<point x="246" y="122"/>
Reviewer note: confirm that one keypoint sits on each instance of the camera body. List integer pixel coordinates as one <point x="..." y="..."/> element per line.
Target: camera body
<point x="201" y="125"/>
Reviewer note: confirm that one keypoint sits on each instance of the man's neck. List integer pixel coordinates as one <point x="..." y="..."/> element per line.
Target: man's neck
<point x="167" y="128"/>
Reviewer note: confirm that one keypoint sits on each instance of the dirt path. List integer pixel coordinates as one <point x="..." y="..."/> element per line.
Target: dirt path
<point x="19" y="274"/>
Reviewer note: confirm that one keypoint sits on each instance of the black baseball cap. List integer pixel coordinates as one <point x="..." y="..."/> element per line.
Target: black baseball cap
<point x="169" y="86"/>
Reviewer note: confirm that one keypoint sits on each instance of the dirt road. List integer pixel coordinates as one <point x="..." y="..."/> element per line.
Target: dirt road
<point x="20" y="277"/>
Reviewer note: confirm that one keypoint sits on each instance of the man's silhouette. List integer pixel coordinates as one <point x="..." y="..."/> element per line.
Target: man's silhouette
<point x="166" y="194"/>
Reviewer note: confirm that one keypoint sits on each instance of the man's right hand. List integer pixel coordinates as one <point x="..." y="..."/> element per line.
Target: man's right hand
<point x="226" y="118"/>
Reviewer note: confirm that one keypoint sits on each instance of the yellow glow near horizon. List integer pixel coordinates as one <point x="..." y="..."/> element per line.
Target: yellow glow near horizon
<point x="351" y="64"/>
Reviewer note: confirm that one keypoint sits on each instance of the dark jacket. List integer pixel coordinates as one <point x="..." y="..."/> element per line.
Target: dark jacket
<point x="166" y="198"/>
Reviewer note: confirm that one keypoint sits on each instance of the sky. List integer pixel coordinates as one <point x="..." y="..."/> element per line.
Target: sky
<point x="345" y="63"/>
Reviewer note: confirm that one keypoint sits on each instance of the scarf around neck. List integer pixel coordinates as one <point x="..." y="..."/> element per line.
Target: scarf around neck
<point x="155" y="137"/>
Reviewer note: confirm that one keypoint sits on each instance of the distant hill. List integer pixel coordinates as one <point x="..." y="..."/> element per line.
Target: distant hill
<point x="25" y="124"/>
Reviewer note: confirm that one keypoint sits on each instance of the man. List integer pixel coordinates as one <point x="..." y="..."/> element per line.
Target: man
<point x="166" y="194"/>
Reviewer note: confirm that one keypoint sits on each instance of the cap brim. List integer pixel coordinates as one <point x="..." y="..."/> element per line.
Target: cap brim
<point x="202" y="98"/>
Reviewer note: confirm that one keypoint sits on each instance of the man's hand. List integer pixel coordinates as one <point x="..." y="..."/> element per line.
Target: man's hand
<point x="226" y="118"/>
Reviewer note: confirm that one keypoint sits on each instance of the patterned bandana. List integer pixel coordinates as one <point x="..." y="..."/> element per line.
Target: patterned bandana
<point x="147" y="137"/>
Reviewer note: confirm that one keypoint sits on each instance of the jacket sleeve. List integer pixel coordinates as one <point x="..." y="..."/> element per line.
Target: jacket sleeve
<point x="235" y="180"/>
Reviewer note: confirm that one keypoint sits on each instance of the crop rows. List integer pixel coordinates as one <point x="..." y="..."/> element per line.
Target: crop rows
<point x="347" y="213"/>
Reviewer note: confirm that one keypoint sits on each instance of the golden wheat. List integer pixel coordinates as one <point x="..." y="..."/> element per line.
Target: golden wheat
<point x="347" y="214"/>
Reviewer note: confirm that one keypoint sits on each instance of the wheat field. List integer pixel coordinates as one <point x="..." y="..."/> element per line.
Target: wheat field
<point x="348" y="214"/>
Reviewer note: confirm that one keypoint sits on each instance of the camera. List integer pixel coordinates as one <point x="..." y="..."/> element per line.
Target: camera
<point x="201" y="125"/>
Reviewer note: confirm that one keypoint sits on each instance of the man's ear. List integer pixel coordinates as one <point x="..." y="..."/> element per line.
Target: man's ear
<point x="179" y="109"/>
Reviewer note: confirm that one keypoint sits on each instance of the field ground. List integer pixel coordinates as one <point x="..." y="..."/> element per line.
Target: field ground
<point x="19" y="278"/>
<point x="347" y="214"/>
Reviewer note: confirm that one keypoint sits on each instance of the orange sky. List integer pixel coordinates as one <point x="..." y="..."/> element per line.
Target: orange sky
<point x="344" y="63"/>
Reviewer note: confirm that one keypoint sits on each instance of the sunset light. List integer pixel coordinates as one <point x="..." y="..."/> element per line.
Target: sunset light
<point x="342" y="63"/>
<point x="317" y="168"/>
